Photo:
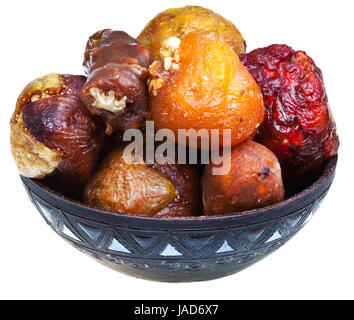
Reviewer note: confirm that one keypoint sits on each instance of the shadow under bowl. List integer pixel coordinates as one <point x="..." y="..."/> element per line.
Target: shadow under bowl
<point x="179" y="249"/>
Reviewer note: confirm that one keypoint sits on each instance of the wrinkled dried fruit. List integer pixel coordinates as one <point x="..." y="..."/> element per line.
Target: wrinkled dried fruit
<point x="298" y="125"/>
<point x="178" y="22"/>
<point x="186" y="182"/>
<point x="205" y="86"/>
<point x="53" y="134"/>
<point x="117" y="68"/>
<point x="127" y="185"/>
<point x="254" y="181"/>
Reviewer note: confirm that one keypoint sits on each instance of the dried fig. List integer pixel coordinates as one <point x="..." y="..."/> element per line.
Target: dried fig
<point x="123" y="184"/>
<point x="53" y="134"/>
<point x="185" y="179"/>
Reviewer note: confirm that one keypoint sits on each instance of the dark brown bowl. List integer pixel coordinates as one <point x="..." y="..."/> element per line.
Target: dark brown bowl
<point x="179" y="249"/>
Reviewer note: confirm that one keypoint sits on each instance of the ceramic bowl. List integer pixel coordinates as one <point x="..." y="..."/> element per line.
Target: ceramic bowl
<point x="179" y="249"/>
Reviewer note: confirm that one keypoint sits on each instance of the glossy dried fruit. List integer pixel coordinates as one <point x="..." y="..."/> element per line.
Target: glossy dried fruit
<point x="253" y="181"/>
<point x="53" y="134"/>
<point x="298" y="125"/>
<point x="178" y="22"/>
<point x="131" y="186"/>
<point x="204" y="86"/>
<point x="117" y="67"/>
<point x="185" y="179"/>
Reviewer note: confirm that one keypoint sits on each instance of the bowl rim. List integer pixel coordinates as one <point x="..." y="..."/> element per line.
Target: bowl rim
<point x="294" y="203"/>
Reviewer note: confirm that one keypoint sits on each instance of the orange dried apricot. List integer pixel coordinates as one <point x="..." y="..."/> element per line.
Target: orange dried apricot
<point x="201" y="84"/>
<point x="178" y="22"/>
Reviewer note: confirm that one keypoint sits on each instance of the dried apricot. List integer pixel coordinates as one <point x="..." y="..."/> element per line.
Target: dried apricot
<point x="178" y="22"/>
<point x="254" y="181"/>
<point x="201" y="84"/>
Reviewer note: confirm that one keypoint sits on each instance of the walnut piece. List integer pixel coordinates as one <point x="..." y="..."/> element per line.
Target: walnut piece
<point x="170" y="53"/>
<point x="107" y="102"/>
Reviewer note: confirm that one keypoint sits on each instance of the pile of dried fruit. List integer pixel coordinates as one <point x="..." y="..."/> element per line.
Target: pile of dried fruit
<point x="186" y="70"/>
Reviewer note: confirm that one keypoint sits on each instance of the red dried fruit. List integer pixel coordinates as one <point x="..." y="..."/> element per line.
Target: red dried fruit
<point x="298" y="126"/>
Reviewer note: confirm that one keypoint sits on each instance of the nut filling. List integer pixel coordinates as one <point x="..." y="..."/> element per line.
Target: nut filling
<point x="160" y="69"/>
<point x="170" y="53"/>
<point x="108" y="102"/>
<point x="117" y="67"/>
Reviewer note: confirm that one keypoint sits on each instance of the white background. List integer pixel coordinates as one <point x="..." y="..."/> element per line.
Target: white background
<point x="38" y="37"/>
